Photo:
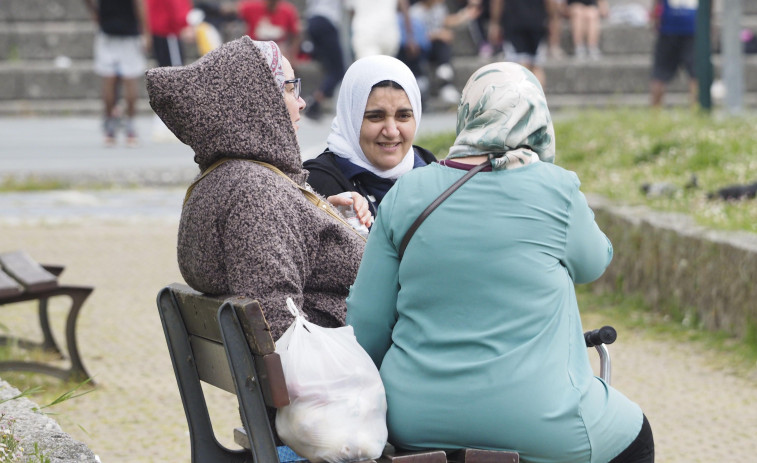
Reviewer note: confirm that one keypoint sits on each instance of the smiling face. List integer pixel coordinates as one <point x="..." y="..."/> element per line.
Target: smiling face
<point x="388" y="128"/>
<point x="294" y="104"/>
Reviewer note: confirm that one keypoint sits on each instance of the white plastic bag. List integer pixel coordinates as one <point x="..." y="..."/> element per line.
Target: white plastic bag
<point x="337" y="410"/>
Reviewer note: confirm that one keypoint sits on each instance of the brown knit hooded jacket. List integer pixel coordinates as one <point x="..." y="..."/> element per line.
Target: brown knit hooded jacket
<point x="244" y="229"/>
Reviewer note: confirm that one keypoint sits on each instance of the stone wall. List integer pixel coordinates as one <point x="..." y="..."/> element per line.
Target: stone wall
<point x="678" y="266"/>
<point x="32" y="427"/>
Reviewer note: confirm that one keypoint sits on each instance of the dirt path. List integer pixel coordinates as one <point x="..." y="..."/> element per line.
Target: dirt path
<point x="697" y="411"/>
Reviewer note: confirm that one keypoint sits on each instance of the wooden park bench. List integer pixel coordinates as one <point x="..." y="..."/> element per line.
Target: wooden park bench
<point x="23" y="279"/>
<point x="226" y="342"/>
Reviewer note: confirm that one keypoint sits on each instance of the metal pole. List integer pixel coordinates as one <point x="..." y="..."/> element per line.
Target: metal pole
<point x="702" y="54"/>
<point x="732" y="55"/>
<point x="345" y="34"/>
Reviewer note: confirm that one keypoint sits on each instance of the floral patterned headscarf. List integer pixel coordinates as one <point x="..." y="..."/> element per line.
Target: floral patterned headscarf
<point x="273" y="57"/>
<point x="503" y="114"/>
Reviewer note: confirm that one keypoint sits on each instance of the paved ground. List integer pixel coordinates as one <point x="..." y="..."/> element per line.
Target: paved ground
<point x="73" y="146"/>
<point x="698" y="410"/>
<point x="71" y="149"/>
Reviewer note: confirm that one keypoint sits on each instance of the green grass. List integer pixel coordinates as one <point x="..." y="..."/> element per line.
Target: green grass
<point x="10" y="184"/>
<point x="34" y="184"/>
<point x="615" y="152"/>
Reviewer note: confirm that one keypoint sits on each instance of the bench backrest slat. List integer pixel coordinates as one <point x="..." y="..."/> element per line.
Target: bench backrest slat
<point x="28" y="273"/>
<point x="199" y="313"/>
<point x="212" y="366"/>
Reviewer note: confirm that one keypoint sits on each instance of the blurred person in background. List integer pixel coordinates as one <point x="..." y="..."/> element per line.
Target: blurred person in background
<point x="275" y="20"/>
<point x="675" y="25"/>
<point x="585" y="25"/>
<point x="479" y="28"/>
<point x="169" y="28"/>
<point x="521" y="26"/>
<point x="324" y="18"/>
<point x="556" y="17"/>
<point x="374" y="27"/>
<point x="439" y="26"/>
<point x="120" y="48"/>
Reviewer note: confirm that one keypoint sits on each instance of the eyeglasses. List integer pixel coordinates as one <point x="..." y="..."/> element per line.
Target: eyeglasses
<point x="297" y="86"/>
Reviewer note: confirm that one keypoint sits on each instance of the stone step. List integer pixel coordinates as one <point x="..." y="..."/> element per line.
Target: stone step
<point x="43" y="10"/>
<point x="610" y="75"/>
<point x="24" y="41"/>
<point x="46" y="40"/>
<point x="44" y="80"/>
<point x="67" y="10"/>
<point x="35" y="29"/>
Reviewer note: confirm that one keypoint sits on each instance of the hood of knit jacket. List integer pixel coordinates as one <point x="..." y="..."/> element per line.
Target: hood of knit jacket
<point x="227" y="104"/>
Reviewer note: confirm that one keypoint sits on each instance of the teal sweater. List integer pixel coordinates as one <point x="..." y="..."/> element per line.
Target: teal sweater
<point x="476" y="331"/>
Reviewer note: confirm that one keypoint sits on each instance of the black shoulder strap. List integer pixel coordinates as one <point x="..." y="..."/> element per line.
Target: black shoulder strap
<point x="430" y="208"/>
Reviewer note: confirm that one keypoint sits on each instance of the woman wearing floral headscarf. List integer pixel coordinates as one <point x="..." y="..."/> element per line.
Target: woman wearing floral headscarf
<point x="486" y="350"/>
<point x="371" y="141"/>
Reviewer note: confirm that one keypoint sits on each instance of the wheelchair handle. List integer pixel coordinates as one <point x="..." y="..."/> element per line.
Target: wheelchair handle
<point x="604" y="335"/>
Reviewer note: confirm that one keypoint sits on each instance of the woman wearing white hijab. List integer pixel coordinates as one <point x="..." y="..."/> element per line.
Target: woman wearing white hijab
<point x="491" y="337"/>
<point x="371" y="141"/>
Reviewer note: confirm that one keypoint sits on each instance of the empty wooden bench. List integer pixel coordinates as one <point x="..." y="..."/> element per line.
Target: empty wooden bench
<point x="23" y="279"/>
<point x="226" y="342"/>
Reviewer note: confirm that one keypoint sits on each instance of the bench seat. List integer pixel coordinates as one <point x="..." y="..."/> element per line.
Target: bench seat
<point x="390" y="455"/>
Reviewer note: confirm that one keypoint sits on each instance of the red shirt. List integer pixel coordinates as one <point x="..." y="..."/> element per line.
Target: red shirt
<point x="167" y="17"/>
<point x="277" y="25"/>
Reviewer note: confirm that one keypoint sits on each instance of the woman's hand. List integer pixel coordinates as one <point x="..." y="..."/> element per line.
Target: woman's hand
<point x="358" y="203"/>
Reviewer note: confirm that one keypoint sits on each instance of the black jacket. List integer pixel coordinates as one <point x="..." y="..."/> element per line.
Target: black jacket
<point x="328" y="178"/>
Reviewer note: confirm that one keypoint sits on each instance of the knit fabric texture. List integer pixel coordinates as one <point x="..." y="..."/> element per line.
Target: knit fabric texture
<point x="246" y="230"/>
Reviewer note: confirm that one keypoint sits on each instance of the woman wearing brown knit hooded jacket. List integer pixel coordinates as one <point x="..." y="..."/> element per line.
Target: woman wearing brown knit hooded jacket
<point x="249" y="228"/>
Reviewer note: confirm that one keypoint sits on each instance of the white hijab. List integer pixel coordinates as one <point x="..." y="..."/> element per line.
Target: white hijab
<point x="344" y="139"/>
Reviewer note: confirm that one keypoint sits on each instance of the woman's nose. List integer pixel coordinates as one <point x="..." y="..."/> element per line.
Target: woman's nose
<point x="301" y="102"/>
<point x="390" y="127"/>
